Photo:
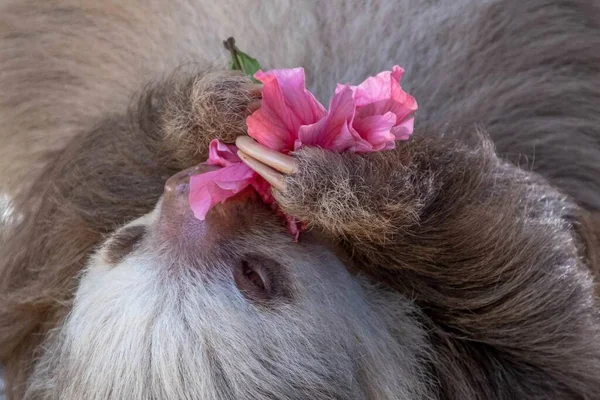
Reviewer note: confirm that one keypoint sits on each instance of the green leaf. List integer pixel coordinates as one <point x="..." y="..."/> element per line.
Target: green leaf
<point x="248" y="64"/>
<point x="241" y="61"/>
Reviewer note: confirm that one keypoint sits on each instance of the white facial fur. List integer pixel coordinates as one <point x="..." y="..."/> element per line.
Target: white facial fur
<point x="153" y="328"/>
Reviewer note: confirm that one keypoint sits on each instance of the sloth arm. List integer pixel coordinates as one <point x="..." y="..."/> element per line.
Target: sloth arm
<point x="485" y="249"/>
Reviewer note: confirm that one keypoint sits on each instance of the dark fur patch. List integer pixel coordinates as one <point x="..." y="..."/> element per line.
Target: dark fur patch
<point x="124" y="242"/>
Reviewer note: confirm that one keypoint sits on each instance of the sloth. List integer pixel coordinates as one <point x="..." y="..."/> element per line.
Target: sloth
<point x="460" y="265"/>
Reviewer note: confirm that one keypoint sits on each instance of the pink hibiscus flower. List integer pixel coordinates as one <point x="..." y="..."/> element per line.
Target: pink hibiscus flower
<point x="365" y="118"/>
<point x="211" y="188"/>
<point x="286" y="107"/>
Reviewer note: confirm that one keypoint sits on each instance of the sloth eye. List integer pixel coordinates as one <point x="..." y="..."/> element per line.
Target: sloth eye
<point x="259" y="278"/>
<point x="124" y="242"/>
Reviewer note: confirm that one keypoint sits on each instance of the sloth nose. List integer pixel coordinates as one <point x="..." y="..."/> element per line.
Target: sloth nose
<point x="175" y="202"/>
<point x="177" y="220"/>
<point x="177" y="223"/>
<point x="179" y="184"/>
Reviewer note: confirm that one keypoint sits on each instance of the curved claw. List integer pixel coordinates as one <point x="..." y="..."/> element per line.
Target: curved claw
<point x="280" y="162"/>
<point x="276" y="179"/>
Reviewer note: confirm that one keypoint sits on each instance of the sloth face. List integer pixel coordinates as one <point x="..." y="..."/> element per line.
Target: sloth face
<point x="229" y="307"/>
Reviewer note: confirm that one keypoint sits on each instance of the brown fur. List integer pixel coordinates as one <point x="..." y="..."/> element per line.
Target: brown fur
<point x="203" y="108"/>
<point x="489" y="252"/>
<point x="427" y="219"/>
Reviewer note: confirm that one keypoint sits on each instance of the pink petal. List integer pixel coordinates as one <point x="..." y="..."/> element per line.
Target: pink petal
<point x="376" y="130"/>
<point x="397" y="73"/>
<point x="304" y="106"/>
<point x="211" y="188"/>
<point x="402" y="108"/>
<point x="378" y="87"/>
<point x="332" y="132"/>
<point x="404" y="129"/>
<point x="286" y="105"/>
<point x="221" y="154"/>
<point x="382" y="93"/>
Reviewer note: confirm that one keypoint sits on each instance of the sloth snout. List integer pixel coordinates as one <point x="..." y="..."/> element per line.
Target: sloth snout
<point x="178" y="225"/>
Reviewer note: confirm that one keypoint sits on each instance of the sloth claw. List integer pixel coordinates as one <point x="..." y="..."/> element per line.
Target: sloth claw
<point x="279" y="162"/>
<point x="276" y="179"/>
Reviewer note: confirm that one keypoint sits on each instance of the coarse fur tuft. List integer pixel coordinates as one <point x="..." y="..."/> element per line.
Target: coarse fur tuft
<point x="426" y="219"/>
<point x="211" y="106"/>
